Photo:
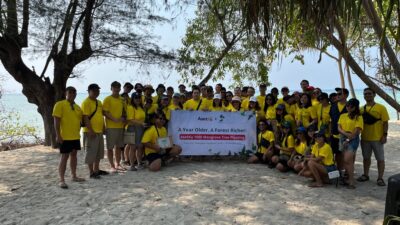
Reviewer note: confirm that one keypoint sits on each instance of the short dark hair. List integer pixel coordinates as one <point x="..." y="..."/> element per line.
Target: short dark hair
<point x="369" y="89"/>
<point x="116" y="84"/>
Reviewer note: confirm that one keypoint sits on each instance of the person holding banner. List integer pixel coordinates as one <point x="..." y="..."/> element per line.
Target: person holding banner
<point x="265" y="143"/>
<point x="158" y="146"/>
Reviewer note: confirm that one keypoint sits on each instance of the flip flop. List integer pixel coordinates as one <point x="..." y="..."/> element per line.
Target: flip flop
<point x="363" y="178"/>
<point x="63" y="185"/>
<point x="315" y="185"/>
<point x="380" y="182"/>
<point x="78" y="179"/>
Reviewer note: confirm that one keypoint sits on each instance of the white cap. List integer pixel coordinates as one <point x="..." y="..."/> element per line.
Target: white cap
<point x="217" y="96"/>
<point x="253" y="99"/>
<point x="236" y="98"/>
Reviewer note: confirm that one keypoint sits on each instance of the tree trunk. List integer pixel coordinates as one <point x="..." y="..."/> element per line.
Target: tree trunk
<point x="339" y="61"/>
<point x="358" y="71"/>
<point x="353" y="93"/>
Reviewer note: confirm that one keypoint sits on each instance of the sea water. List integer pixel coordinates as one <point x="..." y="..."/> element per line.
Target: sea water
<point x="18" y="104"/>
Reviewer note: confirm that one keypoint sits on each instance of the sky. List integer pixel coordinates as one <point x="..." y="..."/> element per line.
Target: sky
<point x="285" y="73"/>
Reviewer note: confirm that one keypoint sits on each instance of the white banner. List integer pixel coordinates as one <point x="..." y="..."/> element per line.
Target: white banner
<point x="213" y="133"/>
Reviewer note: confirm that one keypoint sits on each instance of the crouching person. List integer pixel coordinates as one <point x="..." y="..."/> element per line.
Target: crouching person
<point x="155" y="155"/>
<point x="320" y="163"/>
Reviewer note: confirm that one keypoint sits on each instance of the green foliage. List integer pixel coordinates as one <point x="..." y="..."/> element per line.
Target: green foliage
<point x="216" y="46"/>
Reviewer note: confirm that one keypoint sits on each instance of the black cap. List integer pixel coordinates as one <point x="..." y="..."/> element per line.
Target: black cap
<point x="93" y="87"/>
<point x="116" y="84"/>
<point x="137" y="85"/>
<point x="160" y="86"/>
<point x="353" y="102"/>
<point x="322" y="96"/>
<point x="128" y="85"/>
<point x="343" y="90"/>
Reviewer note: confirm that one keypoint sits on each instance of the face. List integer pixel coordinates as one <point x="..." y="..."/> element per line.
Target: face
<point x="229" y="97"/>
<point x="237" y="92"/>
<point x="70" y="95"/>
<point x="94" y="93"/>
<point x="350" y="108"/>
<point x="279" y="111"/>
<point x="159" y="121"/>
<point x="341" y="96"/>
<point x="139" y="89"/>
<point x="304" y="85"/>
<point x="164" y="101"/>
<point x="209" y="93"/>
<point x="217" y="101"/>
<point x="217" y="88"/>
<point x="137" y="100"/>
<point x="115" y="90"/>
<point x="304" y="99"/>
<point x="269" y="100"/>
<point x="250" y="92"/>
<point x="369" y="95"/>
<point x="252" y="105"/>
<point x="148" y="91"/>
<point x="127" y="89"/>
<point x="285" y="92"/>
<point x="262" y="126"/>
<point x="196" y="94"/>
<point x="182" y="99"/>
<point x="176" y="100"/>
<point x="203" y="91"/>
<point x="236" y="104"/>
<point x="160" y="91"/>
<point x="223" y="94"/>
<point x="319" y="139"/>
<point x="300" y="135"/>
<point x="263" y="90"/>
<point x="182" y="89"/>
<point x="170" y="92"/>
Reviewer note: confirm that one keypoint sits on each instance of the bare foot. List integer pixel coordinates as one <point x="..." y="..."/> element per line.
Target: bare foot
<point x="78" y="179"/>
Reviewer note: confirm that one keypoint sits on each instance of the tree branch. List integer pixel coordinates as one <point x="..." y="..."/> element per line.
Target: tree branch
<point x="12" y="23"/>
<point x="23" y="36"/>
<point x="68" y="22"/>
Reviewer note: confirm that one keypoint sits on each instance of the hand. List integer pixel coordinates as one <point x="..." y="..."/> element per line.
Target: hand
<point x="59" y="139"/>
<point x="384" y="139"/>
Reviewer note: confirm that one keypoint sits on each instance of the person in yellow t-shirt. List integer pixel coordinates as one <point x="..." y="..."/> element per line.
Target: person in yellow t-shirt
<point x="115" y="114"/>
<point x="282" y="116"/>
<point x="154" y="153"/>
<point x="93" y="141"/>
<point x="261" y="97"/>
<point x="217" y="103"/>
<point x="350" y="126"/>
<point x="322" y="110"/>
<point x="374" y="135"/>
<point x="302" y="142"/>
<point x="176" y="105"/>
<point x="255" y="107"/>
<point x="245" y="102"/>
<point x="134" y="132"/>
<point x="320" y="163"/>
<point x="286" y="148"/>
<point x="160" y="90"/>
<point x="67" y="119"/>
<point x="227" y="102"/>
<point x="265" y="143"/>
<point x="306" y="115"/>
<point x="195" y="103"/>
<point x="236" y="103"/>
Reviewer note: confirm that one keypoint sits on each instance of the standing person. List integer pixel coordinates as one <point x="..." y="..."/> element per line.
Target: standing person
<point x="285" y="92"/>
<point x="263" y="92"/>
<point x="275" y="93"/>
<point x="182" y="89"/>
<point x="154" y="153"/>
<point x="374" y="135"/>
<point x="135" y="124"/>
<point x="350" y="126"/>
<point x="175" y="105"/>
<point x="195" y="103"/>
<point x="67" y="118"/>
<point x="148" y="91"/>
<point x="218" y="88"/>
<point x="337" y="109"/>
<point x="127" y="88"/>
<point x="93" y="141"/>
<point x="237" y="92"/>
<point x="250" y="93"/>
<point x="160" y="92"/>
<point x="113" y="110"/>
<point x="304" y="84"/>
<point x="324" y="119"/>
<point x="306" y="114"/>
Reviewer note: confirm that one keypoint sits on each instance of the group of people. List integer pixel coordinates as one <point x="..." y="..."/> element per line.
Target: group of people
<point x="308" y="132"/>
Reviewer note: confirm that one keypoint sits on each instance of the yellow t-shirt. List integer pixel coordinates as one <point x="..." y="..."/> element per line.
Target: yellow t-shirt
<point x="290" y="144"/>
<point x="133" y="113"/>
<point x="151" y="135"/>
<point x="70" y="124"/>
<point x="323" y="117"/>
<point x="314" y="102"/>
<point x="261" y="101"/>
<point x="348" y="124"/>
<point x="227" y="108"/>
<point x="374" y="132"/>
<point x="245" y="103"/>
<point x="267" y="135"/>
<point x="217" y="108"/>
<point x="192" y="104"/>
<point x="271" y="113"/>
<point x="341" y="106"/>
<point x="171" y="108"/>
<point x="97" y="121"/>
<point x="306" y="115"/>
<point x="207" y="104"/>
<point x="301" y="148"/>
<point x="325" y="151"/>
<point x="115" y="107"/>
<point x="293" y="110"/>
<point x="155" y="99"/>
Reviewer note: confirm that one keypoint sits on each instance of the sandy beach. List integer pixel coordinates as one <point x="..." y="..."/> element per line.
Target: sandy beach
<point x="212" y="192"/>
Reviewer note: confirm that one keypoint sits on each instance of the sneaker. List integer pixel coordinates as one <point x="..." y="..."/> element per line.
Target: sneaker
<point x="132" y="168"/>
<point x="139" y="167"/>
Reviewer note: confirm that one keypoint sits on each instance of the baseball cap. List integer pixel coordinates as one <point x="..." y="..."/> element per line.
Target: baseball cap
<point x="344" y="90"/>
<point x="236" y="98"/>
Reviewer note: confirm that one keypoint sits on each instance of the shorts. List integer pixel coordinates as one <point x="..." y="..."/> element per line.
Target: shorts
<point x="376" y="146"/>
<point x="114" y="137"/>
<point x="283" y="159"/>
<point x="350" y="146"/>
<point x="154" y="156"/>
<point x="94" y="147"/>
<point x="139" y="131"/>
<point x="260" y="157"/>
<point x="330" y="168"/>
<point x="334" y="142"/>
<point x="69" y="145"/>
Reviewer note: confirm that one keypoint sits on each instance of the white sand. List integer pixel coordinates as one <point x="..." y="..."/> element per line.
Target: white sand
<point x="217" y="192"/>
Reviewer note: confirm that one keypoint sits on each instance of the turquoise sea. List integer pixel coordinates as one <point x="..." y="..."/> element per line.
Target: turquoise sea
<point x="28" y="112"/>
